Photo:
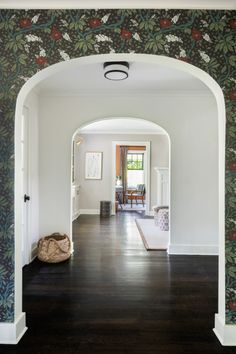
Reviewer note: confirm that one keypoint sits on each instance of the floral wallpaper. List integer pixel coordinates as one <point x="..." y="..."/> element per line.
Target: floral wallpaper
<point x="34" y="39"/>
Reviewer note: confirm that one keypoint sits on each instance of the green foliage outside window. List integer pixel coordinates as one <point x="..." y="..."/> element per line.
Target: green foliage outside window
<point x="135" y="161"/>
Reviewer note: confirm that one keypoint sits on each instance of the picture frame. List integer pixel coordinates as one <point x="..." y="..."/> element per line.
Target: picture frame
<point x="93" y="165"/>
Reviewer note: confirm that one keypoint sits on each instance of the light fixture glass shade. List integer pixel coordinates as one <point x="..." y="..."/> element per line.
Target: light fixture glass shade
<point x="116" y="71"/>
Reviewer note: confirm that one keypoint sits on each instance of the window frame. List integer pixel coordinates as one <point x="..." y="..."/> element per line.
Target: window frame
<point x="133" y="152"/>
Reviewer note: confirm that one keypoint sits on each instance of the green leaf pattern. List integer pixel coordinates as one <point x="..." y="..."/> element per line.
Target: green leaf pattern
<point x="31" y="40"/>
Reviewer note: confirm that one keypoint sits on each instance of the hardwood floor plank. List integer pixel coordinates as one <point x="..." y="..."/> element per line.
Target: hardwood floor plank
<point x="114" y="297"/>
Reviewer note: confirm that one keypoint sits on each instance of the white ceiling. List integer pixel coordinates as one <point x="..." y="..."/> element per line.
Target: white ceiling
<point x="124" y="125"/>
<point x="86" y="4"/>
<point x="143" y="78"/>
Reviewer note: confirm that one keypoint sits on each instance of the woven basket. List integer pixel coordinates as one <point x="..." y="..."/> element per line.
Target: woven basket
<point x="54" y="248"/>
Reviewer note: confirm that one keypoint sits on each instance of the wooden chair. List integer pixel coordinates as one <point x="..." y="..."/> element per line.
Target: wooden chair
<point x="136" y="194"/>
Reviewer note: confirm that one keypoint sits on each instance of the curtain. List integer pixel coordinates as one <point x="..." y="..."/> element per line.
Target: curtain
<point x="123" y="166"/>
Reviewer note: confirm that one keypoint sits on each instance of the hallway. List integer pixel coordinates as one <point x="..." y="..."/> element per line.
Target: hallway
<point x="114" y="297"/>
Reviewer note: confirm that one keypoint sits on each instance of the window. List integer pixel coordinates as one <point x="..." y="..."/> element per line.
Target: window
<point x="135" y="169"/>
<point x="135" y="161"/>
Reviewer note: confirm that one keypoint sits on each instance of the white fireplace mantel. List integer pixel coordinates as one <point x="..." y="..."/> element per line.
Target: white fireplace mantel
<point x="162" y="186"/>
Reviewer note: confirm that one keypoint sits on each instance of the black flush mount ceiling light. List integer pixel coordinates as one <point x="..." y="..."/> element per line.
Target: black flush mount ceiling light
<point x="116" y="70"/>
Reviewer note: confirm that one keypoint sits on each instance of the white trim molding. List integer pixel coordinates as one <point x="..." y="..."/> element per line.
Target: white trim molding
<point x="11" y="333"/>
<point x="203" y="250"/>
<point x="147" y="162"/>
<point x="89" y="212"/>
<point x="117" y="4"/>
<point x="225" y="333"/>
<point x="163" y="186"/>
<point x="33" y="253"/>
<point x="151" y="213"/>
<point x="122" y="132"/>
<point x="57" y="92"/>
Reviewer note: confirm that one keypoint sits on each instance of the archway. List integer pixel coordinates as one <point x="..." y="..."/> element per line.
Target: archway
<point x="141" y="136"/>
<point x="133" y="127"/>
<point x="213" y="86"/>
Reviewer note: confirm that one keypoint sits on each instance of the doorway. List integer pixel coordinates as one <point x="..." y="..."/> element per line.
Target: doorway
<point x="130" y="174"/>
<point x="65" y="141"/>
<point x="148" y="140"/>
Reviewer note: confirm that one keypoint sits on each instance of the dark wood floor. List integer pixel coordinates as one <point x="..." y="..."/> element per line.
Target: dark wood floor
<point x="114" y="297"/>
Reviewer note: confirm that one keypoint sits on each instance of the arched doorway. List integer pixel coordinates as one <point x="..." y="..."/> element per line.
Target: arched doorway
<point x="126" y="126"/>
<point x="132" y="57"/>
<point x="141" y="138"/>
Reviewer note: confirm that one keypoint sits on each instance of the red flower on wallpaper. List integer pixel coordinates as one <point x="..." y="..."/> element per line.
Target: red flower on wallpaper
<point x="55" y="34"/>
<point x="185" y="59"/>
<point x="25" y="23"/>
<point x="196" y="34"/>
<point x="41" y="60"/>
<point x="125" y="34"/>
<point x="165" y="23"/>
<point x="94" y="22"/>
<point x="232" y="23"/>
<point x="232" y="305"/>
<point x="232" y="236"/>
<point x="232" y="166"/>
<point x="232" y="95"/>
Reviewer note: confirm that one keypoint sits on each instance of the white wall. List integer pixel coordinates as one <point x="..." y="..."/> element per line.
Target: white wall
<point x="31" y="103"/>
<point x="191" y="122"/>
<point x="92" y="191"/>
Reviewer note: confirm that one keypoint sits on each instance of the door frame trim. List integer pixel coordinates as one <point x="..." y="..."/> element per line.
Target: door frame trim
<point x="147" y="167"/>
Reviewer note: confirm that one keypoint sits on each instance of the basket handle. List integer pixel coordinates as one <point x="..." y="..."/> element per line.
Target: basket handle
<point x="54" y="241"/>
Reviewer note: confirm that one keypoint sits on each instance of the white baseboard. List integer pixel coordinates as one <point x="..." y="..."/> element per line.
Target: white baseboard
<point x="34" y="252"/>
<point x="72" y="246"/>
<point x="210" y="250"/>
<point x="150" y="213"/>
<point x="11" y="333"/>
<point x="89" y="211"/>
<point x="75" y="215"/>
<point x="225" y="333"/>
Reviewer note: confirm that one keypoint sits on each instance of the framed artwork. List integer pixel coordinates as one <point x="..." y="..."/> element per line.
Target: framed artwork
<point x="93" y="165"/>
